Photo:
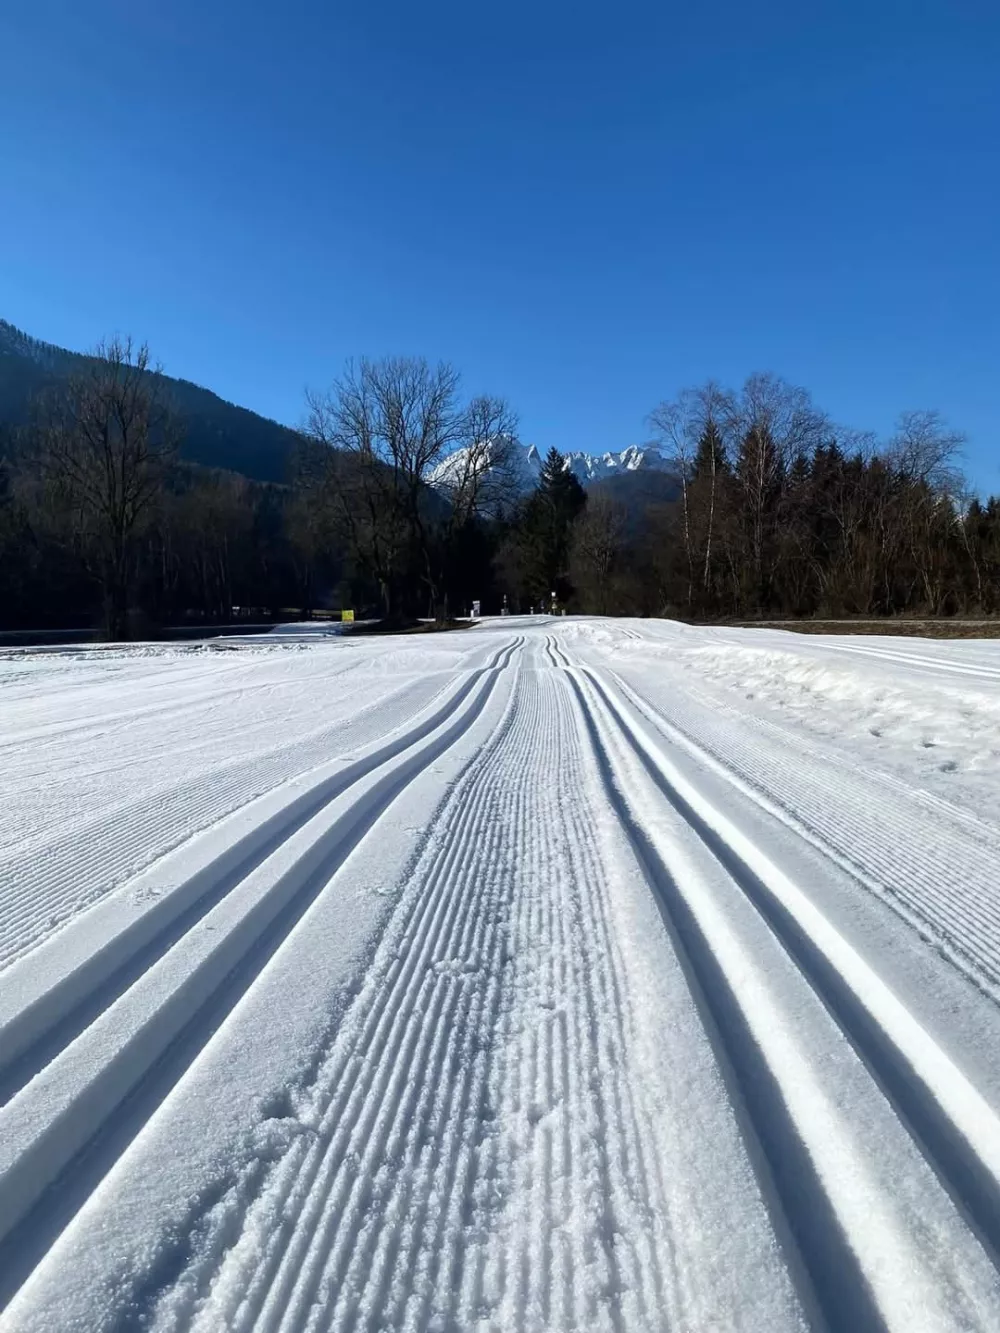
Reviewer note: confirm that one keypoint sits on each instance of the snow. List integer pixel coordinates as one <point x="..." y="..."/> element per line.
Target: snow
<point x="561" y="974"/>
<point x="528" y="461"/>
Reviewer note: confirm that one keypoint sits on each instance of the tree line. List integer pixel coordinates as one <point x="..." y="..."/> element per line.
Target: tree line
<point x="102" y="526"/>
<point x="781" y="513"/>
<point x="406" y="499"/>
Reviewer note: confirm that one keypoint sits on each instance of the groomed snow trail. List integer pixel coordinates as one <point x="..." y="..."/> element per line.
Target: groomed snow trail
<point x="540" y="977"/>
<point x="481" y="1065"/>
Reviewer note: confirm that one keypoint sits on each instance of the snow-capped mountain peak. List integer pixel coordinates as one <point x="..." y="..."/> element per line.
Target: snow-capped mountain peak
<point x="587" y="468"/>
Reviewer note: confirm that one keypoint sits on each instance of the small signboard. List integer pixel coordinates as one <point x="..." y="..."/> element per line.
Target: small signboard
<point x="347" y="617"/>
<point x="475" y="610"/>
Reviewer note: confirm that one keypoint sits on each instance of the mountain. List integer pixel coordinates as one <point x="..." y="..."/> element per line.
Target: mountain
<point x="636" y="461"/>
<point x="217" y="434"/>
<point x="589" y="468"/>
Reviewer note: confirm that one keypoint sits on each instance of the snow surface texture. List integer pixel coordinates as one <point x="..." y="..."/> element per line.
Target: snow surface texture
<point x="559" y="974"/>
<point x="528" y="460"/>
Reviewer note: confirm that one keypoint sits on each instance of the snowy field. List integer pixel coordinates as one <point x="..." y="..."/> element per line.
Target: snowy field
<point x="557" y="974"/>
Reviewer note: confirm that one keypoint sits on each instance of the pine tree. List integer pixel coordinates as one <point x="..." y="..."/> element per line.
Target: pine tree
<point x="557" y="500"/>
<point x="710" y="456"/>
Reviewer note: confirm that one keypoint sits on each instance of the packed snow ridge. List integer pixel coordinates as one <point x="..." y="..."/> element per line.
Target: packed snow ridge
<point x="562" y="974"/>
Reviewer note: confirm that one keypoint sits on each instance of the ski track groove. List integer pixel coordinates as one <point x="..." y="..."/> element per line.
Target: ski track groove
<point x="420" y="949"/>
<point x="921" y="661"/>
<point x="106" y="1081"/>
<point x="912" y="873"/>
<point x="44" y="891"/>
<point x="471" y="1148"/>
<point x="356" y="1062"/>
<point x="631" y="1163"/>
<point x="217" y="880"/>
<point x="982" y="1211"/>
<point x="490" y="980"/>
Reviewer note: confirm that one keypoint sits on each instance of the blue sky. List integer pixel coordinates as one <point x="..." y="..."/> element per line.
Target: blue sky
<point x="584" y="207"/>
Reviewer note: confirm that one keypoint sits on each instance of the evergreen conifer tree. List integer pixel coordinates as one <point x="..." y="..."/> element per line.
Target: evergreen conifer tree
<point x="555" y="503"/>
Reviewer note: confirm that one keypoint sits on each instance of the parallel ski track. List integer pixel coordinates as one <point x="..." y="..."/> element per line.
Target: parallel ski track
<point x="951" y="1126"/>
<point x="919" y="661"/>
<point x="39" y="1031"/>
<point x="44" y="890"/>
<point x="483" y="1064"/>
<point x="471" y="1149"/>
<point x="912" y="871"/>
<point x="73" y="1081"/>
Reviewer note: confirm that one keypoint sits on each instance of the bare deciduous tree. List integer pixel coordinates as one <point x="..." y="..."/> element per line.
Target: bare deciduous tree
<point x="214" y="525"/>
<point x="598" y="538"/>
<point x="105" y="439"/>
<point x="690" y="430"/>
<point x="773" y="422"/>
<point x="675" y="433"/>
<point x="480" y="478"/>
<point x="713" y="407"/>
<point x="393" y="421"/>
<point x="924" y="454"/>
<point x="923" y="449"/>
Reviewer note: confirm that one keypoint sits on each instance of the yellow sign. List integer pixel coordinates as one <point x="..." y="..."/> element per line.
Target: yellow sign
<point x="347" y="616"/>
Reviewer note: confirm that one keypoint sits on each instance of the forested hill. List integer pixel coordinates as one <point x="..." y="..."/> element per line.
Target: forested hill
<point x="217" y="434"/>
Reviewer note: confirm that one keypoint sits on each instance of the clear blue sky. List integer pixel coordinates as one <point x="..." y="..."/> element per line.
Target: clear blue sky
<point x="585" y="207"/>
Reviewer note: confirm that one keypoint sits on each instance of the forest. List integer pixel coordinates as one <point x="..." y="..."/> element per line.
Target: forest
<point x="403" y="500"/>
